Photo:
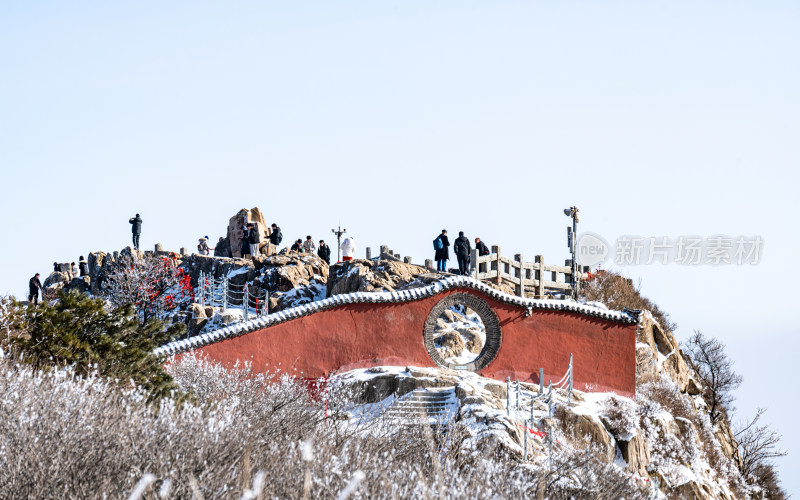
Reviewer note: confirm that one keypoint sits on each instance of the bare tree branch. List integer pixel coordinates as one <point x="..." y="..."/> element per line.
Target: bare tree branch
<point x="715" y="369"/>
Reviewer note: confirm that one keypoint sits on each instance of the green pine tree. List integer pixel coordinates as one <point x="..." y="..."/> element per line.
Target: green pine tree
<point x="78" y="331"/>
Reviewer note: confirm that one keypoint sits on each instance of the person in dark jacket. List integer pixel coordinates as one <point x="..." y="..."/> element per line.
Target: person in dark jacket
<point x="83" y="266"/>
<point x="246" y="240"/>
<point x="136" y="229"/>
<point x="254" y="239"/>
<point x="324" y="252"/>
<point x="462" y="249"/>
<point x="34" y="286"/>
<point x="275" y="237"/>
<point x="297" y="246"/>
<point x="443" y="254"/>
<point x="481" y="247"/>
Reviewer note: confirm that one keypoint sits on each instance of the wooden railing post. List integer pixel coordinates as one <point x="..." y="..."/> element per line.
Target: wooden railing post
<point x="474" y="263"/>
<point x="498" y="263"/>
<point x="520" y="274"/>
<point x="540" y="276"/>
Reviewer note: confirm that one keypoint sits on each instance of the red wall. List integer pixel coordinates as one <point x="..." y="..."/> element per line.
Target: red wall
<point x="363" y="335"/>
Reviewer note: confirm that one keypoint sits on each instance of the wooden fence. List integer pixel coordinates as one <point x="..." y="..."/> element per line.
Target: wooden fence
<point x="537" y="276"/>
<point x="501" y="269"/>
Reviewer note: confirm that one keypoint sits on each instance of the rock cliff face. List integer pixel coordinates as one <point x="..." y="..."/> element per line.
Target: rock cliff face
<point x="662" y="437"/>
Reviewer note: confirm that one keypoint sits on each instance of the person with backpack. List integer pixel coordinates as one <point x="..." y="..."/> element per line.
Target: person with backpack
<point x="442" y="246"/>
<point x="136" y="229"/>
<point x="202" y="246"/>
<point x="481" y="247"/>
<point x="275" y="236"/>
<point x="324" y="252"/>
<point x="462" y="249"/>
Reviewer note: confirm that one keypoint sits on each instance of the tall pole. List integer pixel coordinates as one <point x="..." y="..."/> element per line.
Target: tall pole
<point x="573" y="244"/>
<point x="339" y="234"/>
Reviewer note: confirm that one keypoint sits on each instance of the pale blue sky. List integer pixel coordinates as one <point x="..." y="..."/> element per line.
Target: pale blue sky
<point x="400" y="118"/>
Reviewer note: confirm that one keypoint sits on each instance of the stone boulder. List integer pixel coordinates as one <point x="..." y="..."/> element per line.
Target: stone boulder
<point x="291" y="270"/>
<point x="79" y="284"/>
<point x="236" y="226"/>
<point x="223" y="248"/>
<point x="636" y="453"/>
<point x="198" y="319"/>
<point x="279" y="301"/>
<point x="587" y="428"/>
<point x="450" y="344"/>
<point x="375" y="276"/>
<point x="95" y="261"/>
<point x="57" y="280"/>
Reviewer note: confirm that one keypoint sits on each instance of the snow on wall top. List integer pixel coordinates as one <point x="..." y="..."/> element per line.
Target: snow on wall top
<point x="627" y="316"/>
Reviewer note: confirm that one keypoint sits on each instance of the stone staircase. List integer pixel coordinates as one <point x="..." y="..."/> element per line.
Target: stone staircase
<point x="436" y="405"/>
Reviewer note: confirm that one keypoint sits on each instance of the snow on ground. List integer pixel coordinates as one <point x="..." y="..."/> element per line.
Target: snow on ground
<point x="676" y="452"/>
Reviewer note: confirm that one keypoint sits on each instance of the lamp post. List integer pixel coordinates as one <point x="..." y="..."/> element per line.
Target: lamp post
<point x="339" y="234"/>
<point x="572" y="235"/>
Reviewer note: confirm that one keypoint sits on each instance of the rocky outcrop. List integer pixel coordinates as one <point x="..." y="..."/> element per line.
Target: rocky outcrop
<point x="223" y="248"/>
<point x="657" y="352"/>
<point x="636" y="453"/>
<point x="236" y="229"/>
<point x="57" y="279"/>
<point x="638" y="436"/>
<point x="377" y="275"/>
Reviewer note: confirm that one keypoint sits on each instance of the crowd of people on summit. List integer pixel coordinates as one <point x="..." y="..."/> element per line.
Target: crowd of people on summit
<point x="251" y="246"/>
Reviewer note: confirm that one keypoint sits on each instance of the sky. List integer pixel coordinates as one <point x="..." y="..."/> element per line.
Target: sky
<point x="397" y="119"/>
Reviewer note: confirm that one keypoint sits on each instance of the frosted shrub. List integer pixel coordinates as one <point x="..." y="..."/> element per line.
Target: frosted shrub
<point x="621" y="417"/>
<point x="82" y="437"/>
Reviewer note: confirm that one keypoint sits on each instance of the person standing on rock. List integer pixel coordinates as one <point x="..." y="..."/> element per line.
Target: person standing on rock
<point x="309" y="245"/>
<point x="481" y="247"/>
<point x="246" y="240"/>
<point x="324" y="252"/>
<point x="442" y="251"/>
<point x="73" y="269"/>
<point x="275" y="236"/>
<point x="254" y="239"/>
<point x="34" y="286"/>
<point x="203" y="248"/>
<point x="136" y="229"/>
<point x="83" y="266"/>
<point x="462" y="249"/>
<point x="348" y="248"/>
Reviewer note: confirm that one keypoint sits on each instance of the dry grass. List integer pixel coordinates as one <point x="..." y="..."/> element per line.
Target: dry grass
<point x="618" y="292"/>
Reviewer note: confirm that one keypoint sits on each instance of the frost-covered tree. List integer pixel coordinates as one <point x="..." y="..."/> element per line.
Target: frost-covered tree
<point x="712" y="365"/>
<point x="151" y="285"/>
<point x="77" y="331"/>
<point x="756" y="445"/>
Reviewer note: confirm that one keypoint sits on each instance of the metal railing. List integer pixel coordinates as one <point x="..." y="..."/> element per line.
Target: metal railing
<point x="220" y="292"/>
<point x="564" y="383"/>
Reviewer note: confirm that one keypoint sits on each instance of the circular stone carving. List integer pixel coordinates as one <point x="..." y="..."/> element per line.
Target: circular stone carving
<point x="454" y="329"/>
